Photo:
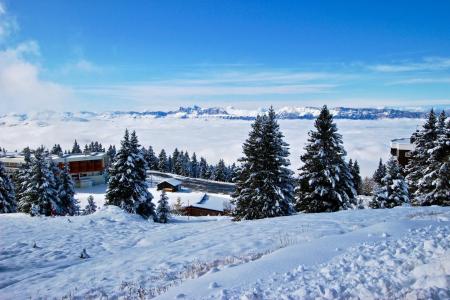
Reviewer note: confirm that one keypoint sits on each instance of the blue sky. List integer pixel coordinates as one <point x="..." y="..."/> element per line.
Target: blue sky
<point x="107" y="55"/>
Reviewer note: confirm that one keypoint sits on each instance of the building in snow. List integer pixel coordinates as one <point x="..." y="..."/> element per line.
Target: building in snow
<point x="209" y="206"/>
<point x="401" y="149"/>
<point x="85" y="169"/>
<point x="169" y="185"/>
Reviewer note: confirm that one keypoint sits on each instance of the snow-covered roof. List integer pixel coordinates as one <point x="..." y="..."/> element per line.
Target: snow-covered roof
<point x="212" y="202"/>
<point x="171" y="181"/>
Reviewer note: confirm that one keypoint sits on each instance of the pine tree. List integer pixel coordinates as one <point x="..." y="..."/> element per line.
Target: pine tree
<point x="23" y="174"/>
<point x="220" y="171"/>
<point x="150" y="158"/>
<point x="67" y="192"/>
<point x="111" y="153"/>
<point x="76" y="148"/>
<point x="264" y="183"/>
<point x="91" y="207"/>
<point x="379" y="174"/>
<point x="357" y="181"/>
<point x="57" y="150"/>
<point x="7" y="194"/>
<point x="433" y="188"/>
<point x="127" y="187"/>
<point x="424" y="140"/>
<point x="163" y="209"/>
<point x="194" y="166"/>
<point x="203" y="168"/>
<point x="162" y="162"/>
<point x="40" y="196"/>
<point x="394" y="189"/>
<point x="176" y="165"/>
<point x="325" y="182"/>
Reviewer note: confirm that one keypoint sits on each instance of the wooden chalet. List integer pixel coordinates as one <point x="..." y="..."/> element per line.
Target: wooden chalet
<point x="169" y="185"/>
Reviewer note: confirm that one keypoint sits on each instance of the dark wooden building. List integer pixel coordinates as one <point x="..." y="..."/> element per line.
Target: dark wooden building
<point x="401" y="149"/>
<point x="201" y="211"/>
<point x="169" y="185"/>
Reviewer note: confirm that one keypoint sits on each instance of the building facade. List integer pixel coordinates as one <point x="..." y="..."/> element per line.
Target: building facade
<point x="401" y="148"/>
<point x="85" y="169"/>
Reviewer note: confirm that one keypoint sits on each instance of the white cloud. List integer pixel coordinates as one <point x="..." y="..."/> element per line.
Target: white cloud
<point x="21" y="88"/>
<point x="81" y="66"/>
<point x="214" y="84"/>
<point x="427" y="64"/>
<point x="8" y="24"/>
<point x="433" y="80"/>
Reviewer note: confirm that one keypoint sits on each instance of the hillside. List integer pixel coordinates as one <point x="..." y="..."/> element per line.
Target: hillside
<point x="396" y="253"/>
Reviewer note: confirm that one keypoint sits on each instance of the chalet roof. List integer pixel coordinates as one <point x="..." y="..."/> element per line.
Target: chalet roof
<point x="171" y="181"/>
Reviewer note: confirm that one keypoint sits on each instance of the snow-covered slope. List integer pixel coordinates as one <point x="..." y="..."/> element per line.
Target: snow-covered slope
<point x="384" y="254"/>
<point x="46" y="117"/>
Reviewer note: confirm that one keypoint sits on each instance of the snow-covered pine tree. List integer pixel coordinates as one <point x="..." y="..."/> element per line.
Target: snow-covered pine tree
<point x="162" y="162"/>
<point x="111" y="153"/>
<point x="150" y="157"/>
<point x="176" y="165"/>
<point x="91" y="207"/>
<point x="379" y="174"/>
<point x="357" y="181"/>
<point x="66" y="193"/>
<point x="424" y="140"/>
<point x="434" y="187"/>
<point x="163" y="209"/>
<point x="7" y="194"/>
<point x="194" y="166"/>
<point x="394" y="189"/>
<point x="57" y="150"/>
<point x="127" y="187"/>
<point x="203" y="168"/>
<point x="325" y="182"/>
<point x="264" y="183"/>
<point x="40" y="196"/>
<point x="21" y="178"/>
<point x="220" y="171"/>
<point x="76" y="148"/>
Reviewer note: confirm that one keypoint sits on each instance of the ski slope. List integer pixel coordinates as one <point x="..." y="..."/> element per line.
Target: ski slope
<point x="398" y="253"/>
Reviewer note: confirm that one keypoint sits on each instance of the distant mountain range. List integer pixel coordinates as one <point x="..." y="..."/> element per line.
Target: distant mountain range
<point x="195" y="112"/>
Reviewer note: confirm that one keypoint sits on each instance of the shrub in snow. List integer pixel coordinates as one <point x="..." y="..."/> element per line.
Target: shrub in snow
<point x="91" y="207"/>
<point x="163" y="209"/>
<point x="367" y="187"/>
<point x="394" y="190"/>
<point x="7" y="193"/>
<point x="127" y="186"/>
<point x="84" y="254"/>
<point x="264" y="185"/>
<point x="177" y="208"/>
<point x="325" y="182"/>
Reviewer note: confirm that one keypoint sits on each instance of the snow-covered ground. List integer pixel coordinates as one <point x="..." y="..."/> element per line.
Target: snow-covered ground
<point x="367" y="254"/>
<point x="364" y="140"/>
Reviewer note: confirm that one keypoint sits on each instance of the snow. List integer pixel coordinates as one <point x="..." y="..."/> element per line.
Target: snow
<point x="371" y="254"/>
